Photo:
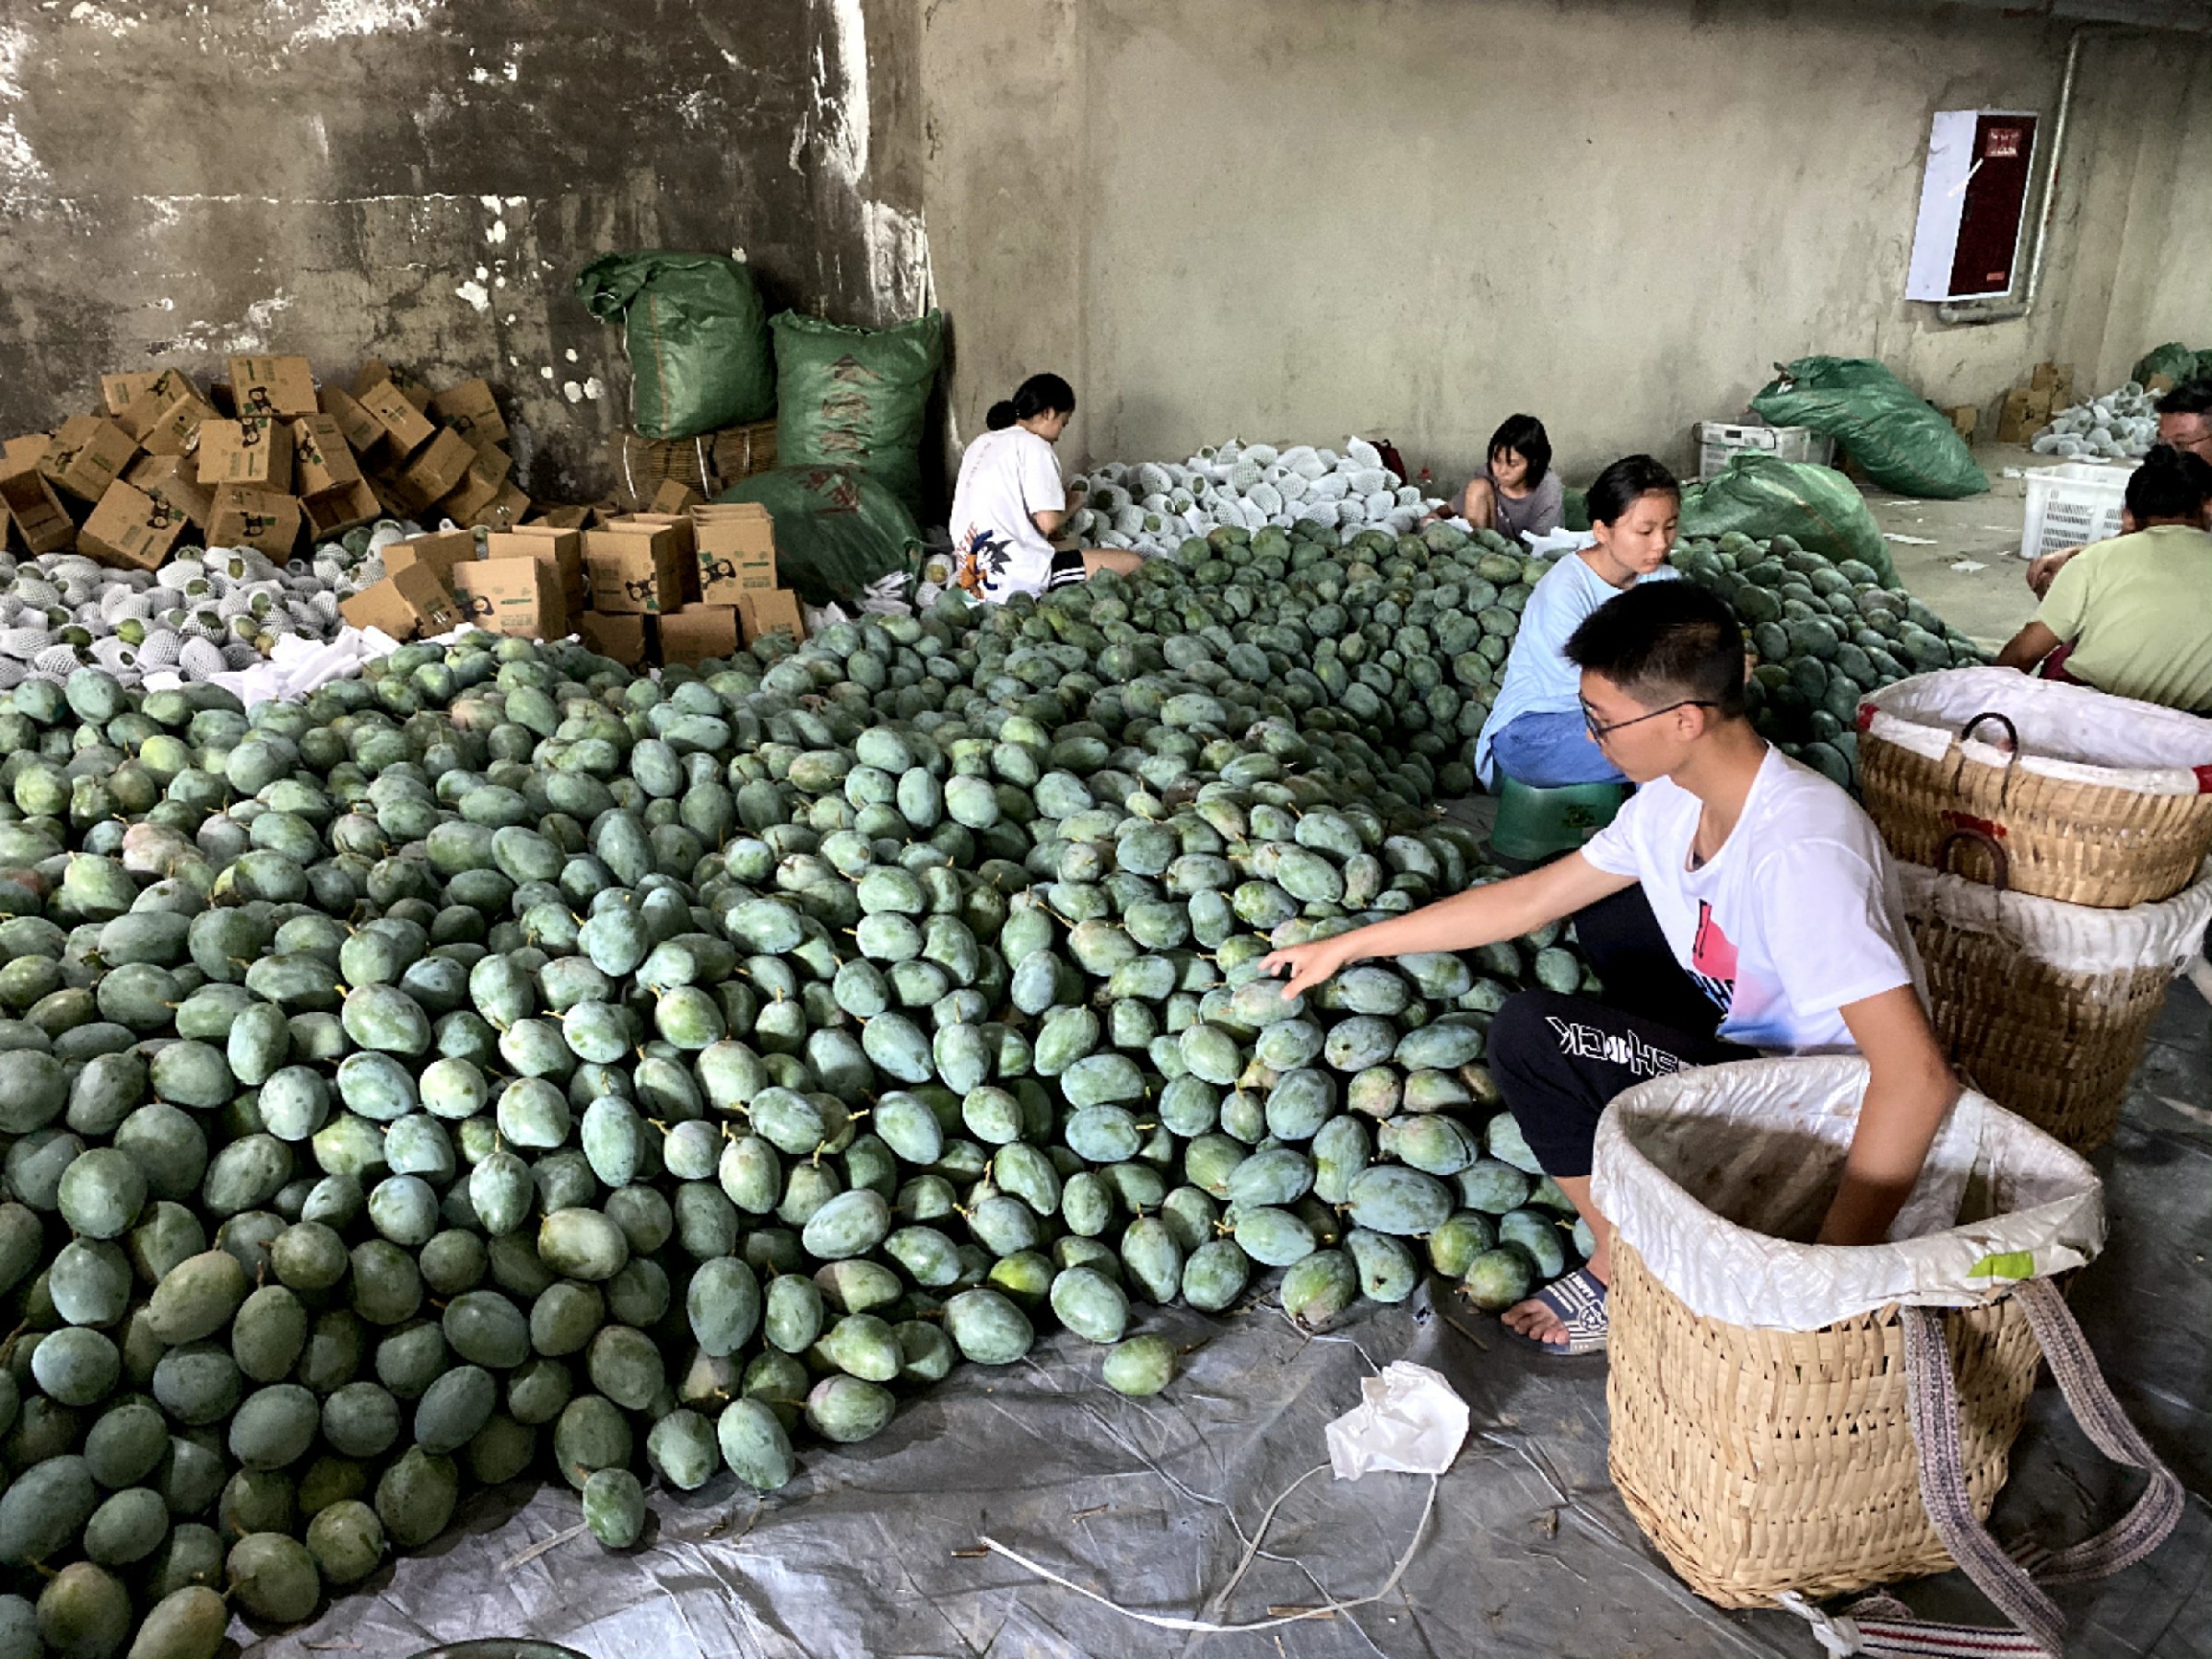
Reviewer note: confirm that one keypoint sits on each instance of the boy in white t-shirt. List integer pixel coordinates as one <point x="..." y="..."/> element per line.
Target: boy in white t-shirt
<point x="1776" y="901"/>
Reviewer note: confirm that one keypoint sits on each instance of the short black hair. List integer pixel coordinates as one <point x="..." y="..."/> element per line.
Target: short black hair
<point x="1526" y="436"/>
<point x="2193" y="397"/>
<point x="1663" y="642"/>
<point x="1618" y="489"/>
<point x="1039" y="395"/>
<point x="2170" y="484"/>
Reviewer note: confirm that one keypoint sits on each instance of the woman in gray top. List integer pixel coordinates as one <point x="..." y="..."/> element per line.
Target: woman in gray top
<point x="1517" y="492"/>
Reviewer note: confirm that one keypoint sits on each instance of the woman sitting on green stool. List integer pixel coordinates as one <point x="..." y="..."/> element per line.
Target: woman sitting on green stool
<point x="1536" y="734"/>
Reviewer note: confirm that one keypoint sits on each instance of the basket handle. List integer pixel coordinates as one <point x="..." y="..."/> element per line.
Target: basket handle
<point x="1932" y="1407"/>
<point x="1989" y="843"/>
<point x="2012" y="755"/>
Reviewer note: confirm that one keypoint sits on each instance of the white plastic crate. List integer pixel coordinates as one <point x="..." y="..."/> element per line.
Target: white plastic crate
<point x="2075" y="502"/>
<point x="1718" y="440"/>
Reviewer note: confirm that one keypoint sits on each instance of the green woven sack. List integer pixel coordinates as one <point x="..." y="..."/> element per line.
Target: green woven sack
<point x="2174" y="360"/>
<point x="1764" y="497"/>
<point x="1899" y="438"/>
<point x="836" y="528"/>
<point x="695" y="333"/>
<point x="856" y="396"/>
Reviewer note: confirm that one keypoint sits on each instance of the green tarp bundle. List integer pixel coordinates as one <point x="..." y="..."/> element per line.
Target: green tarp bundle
<point x="1895" y="435"/>
<point x="695" y="333"/>
<point x="1764" y="497"/>
<point x="838" y="528"/>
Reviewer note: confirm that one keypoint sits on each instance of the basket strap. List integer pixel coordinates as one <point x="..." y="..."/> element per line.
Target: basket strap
<point x="1881" y="1625"/>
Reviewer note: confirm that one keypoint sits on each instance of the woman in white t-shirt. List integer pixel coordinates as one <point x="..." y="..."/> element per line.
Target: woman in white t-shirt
<point x="1011" y="502"/>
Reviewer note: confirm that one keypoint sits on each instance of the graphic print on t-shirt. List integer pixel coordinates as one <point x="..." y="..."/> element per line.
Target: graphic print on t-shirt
<point x="1713" y="959"/>
<point x="983" y="560"/>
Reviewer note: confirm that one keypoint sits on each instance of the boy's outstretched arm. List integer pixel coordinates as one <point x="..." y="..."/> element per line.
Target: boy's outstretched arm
<point x="1909" y="1088"/>
<point x="1504" y="910"/>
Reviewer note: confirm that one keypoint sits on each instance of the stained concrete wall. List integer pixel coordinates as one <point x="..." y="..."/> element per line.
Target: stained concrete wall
<point x="421" y="179"/>
<point x="1410" y="217"/>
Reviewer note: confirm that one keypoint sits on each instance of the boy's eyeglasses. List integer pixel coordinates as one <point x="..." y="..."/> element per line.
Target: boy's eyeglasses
<point x="1598" y="733"/>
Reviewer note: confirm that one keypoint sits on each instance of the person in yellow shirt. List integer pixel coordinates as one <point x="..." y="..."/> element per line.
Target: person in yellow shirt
<point x="2135" y="612"/>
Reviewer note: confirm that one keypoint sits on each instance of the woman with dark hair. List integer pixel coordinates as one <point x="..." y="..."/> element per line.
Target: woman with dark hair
<point x="1517" y="490"/>
<point x="2135" y="612"/>
<point x="1010" y="500"/>
<point x="1536" y="734"/>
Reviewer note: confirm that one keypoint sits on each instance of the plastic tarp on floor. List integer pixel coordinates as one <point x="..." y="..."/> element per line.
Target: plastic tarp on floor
<point x="875" y="1550"/>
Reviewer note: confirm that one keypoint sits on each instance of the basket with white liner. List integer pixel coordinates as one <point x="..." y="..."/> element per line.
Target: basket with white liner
<point x="2097" y="800"/>
<point x="2045" y="1006"/>
<point x="1795" y="1421"/>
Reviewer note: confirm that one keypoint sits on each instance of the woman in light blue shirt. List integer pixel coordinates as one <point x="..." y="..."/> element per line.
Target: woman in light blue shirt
<point x="1536" y="734"/>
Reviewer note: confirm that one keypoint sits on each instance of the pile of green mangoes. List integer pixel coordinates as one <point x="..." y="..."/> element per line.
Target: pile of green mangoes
<point x="500" y="1063"/>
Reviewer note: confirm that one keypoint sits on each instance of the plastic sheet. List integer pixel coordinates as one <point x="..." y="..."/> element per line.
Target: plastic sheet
<point x="873" y="1552"/>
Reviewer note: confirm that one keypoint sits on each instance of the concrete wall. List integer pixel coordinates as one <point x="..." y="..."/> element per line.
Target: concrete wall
<point x="1411" y="217"/>
<point x="421" y="179"/>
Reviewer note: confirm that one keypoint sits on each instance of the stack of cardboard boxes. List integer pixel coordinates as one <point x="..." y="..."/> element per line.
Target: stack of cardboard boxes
<point x="255" y="461"/>
<point x="639" y="588"/>
<point x="2027" y="409"/>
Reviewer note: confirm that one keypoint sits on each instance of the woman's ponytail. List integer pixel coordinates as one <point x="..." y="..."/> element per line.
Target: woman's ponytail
<point x="1001" y="417"/>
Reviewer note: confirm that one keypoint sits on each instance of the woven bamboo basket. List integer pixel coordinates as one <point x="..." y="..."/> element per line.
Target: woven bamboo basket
<point x="1764" y="1461"/>
<point x="710" y="463"/>
<point x="2107" y="833"/>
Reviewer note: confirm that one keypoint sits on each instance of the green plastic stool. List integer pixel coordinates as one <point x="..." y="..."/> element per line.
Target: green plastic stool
<point x="1537" y="823"/>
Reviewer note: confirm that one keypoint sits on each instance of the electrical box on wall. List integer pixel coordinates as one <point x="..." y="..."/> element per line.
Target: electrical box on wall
<point x="1973" y="201"/>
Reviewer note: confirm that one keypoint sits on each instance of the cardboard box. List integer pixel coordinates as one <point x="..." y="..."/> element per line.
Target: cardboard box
<point x="255" y="450"/>
<point x="406" y="428"/>
<point x="633" y="570"/>
<point x="175" y="480"/>
<point x="322" y="459"/>
<point x="118" y="392"/>
<point x="89" y="453"/>
<point x="439" y="469"/>
<point x="334" y="511"/>
<point x="518" y="597"/>
<point x="736" y="551"/>
<point x="676" y="496"/>
<point x="1964" y="419"/>
<point x="159" y="391"/>
<point x="2013" y="425"/>
<point x="767" y="611"/>
<point x="504" y="511"/>
<point x="130" y="530"/>
<point x="677" y="525"/>
<point x="410" y="605"/>
<point x="477" y="491"/>
<point x="375" y="372"/>
<point x="174" y="427"/>
<point x="565" y="518"/>
<point x="25" y="451"/>
<point x="470" y="409"/>
<point x="364" y="432"/>
<point x="281" y="387"/>
<point x="625" y="638"/>
<point x="560" y="551"/>
<point x="40" y="519"/>
<point x="261" y="519"/>
<point x="442" y="552"/>
<point x="698" y="633"/>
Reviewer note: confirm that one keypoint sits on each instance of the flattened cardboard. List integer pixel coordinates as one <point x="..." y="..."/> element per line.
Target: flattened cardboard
<point x="336" y="511"/>
<point x="442" y="552"/>
<point x="470" y="409"/>
<point x="173" y="479"/>
<point x="281" y="387"/>
<point x="625" y="638"/>
<point x="737" y="552"/>
<point x="130" y="530"/>
<point x="437" y="471"/>
<point x="118" y="392"/>
<point x="89" y="453"/>
<point x="410" y="605"/>
<point x="763" y="612"/>
<point x="37" y="513"/>
<point x="633" y="570"/>
<point x="364" y="432"/>
<point x="406" y="429"/>
<point x="260" y="519"/>
<point x="255" y="449"/>
<point x="322" y="459"/>
<point x="518" y="597"/>
<point x="698" y="633"/>
<point x="560" y="551"/>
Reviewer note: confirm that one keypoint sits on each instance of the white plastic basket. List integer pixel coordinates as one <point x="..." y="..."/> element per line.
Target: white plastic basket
<point x="1718" y="440"/>
<point x="2072" y="503"/>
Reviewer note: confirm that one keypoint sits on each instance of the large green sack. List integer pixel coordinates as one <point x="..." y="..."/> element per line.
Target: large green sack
<point x="1764" y="497"/>
<point x="836" y="528"/>
<point x="2174" y="360"/>
<point x="696" y="335"/>
<point x="856" y="396"/>
<point x="1901" y="440"/>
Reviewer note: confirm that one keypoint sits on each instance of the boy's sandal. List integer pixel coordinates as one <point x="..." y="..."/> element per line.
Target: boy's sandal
<point x="1578" y="1301"/>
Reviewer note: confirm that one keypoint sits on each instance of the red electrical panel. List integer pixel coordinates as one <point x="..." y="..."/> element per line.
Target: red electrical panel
<point x="1995" y="202"/>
